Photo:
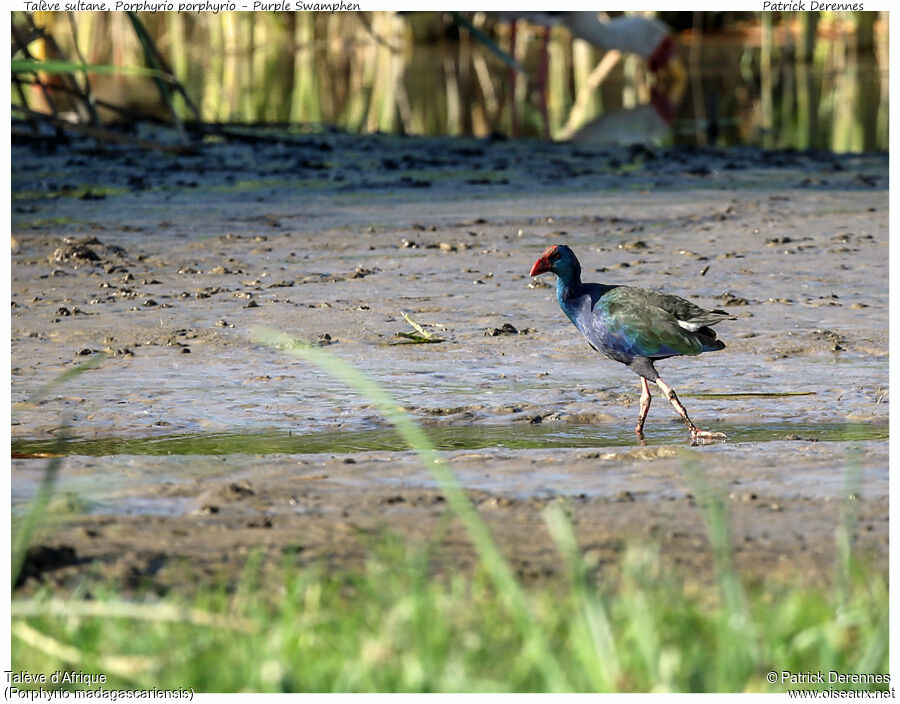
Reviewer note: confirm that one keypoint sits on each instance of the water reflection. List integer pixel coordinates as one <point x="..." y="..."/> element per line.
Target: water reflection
<point x="801" y="84"/>
<point x="648" y="123"/>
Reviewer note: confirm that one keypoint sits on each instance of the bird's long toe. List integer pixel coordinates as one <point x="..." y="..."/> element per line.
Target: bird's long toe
<point x="707" y="435"/>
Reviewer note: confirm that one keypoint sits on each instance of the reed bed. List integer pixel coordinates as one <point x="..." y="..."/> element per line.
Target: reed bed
<point x="804" y="80"/>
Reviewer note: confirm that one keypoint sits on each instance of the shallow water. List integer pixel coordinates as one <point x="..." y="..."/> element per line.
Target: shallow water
<point x="520" y="436"/>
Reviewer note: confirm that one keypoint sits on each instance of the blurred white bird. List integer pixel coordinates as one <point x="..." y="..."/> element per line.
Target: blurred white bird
<point x="634" y="34"/>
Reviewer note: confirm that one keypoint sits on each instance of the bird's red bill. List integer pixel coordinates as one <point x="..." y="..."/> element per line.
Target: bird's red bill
<point x="543" y="264"/>
<point x="540" y="266"/>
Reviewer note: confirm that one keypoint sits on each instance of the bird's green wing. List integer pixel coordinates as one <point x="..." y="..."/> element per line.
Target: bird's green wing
<point x="646" y="328"/>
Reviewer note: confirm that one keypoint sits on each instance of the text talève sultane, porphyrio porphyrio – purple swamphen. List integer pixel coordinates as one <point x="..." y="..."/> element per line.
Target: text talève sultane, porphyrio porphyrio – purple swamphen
<point x="634" y="326"/>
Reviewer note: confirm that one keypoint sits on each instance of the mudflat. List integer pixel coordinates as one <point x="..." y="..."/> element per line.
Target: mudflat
<point x="194" y="446"/>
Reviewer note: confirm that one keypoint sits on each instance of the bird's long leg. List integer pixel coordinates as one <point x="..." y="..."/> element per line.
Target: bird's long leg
<point x="645" y="407"/>
<point x="696" y="433"/>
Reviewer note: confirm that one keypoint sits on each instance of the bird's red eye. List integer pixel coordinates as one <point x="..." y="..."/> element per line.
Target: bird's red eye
<point x="554" y="255"/>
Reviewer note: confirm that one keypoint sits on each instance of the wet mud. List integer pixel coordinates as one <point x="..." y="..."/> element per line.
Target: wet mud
<point x="194" y="446"/>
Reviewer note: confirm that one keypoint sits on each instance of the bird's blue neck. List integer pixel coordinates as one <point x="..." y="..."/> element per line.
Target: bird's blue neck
<point x="568" y="285"/>
<point x="568" y="288"/>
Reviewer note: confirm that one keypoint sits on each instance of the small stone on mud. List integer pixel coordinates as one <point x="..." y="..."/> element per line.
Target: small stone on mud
<point x="361" y="272"/>
<point x="252" y="304"/>
<point x="730" y="299"/>
<point x="63" y="311"/>
<point x="73" y="252"/>
<point x="505" y="329"/>
<point x="497" y="502"/>
<point x="208" y="291"/>
<point x="689" y="253"/>
<point x="238" y="490"/>
<point x="85" y="351"/>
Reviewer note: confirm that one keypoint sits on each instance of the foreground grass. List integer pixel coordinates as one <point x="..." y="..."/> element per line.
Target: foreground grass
<point x="390" y="628"/>
<point x="393" y="628"/>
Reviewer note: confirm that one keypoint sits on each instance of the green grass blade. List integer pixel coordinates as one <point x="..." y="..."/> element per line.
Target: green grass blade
<point x="846" y="529"/>
<point x="601" y="663"/>
<point x="27" y="527"/>
<point x="493" y="561"/>
<point x="90" y="363"/>
<point x="738" y="632"/>
<point x="158" y="613"/>
<point x="127" y="667"/>
<point x="29" y="524"/>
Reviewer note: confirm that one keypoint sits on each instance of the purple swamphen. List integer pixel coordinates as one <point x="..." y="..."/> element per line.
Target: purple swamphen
<point x="634" y="326"/>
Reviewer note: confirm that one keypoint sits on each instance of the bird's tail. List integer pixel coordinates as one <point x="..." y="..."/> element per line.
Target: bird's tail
<point x="714" y="316"/>
<point x="708" y="339"/>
